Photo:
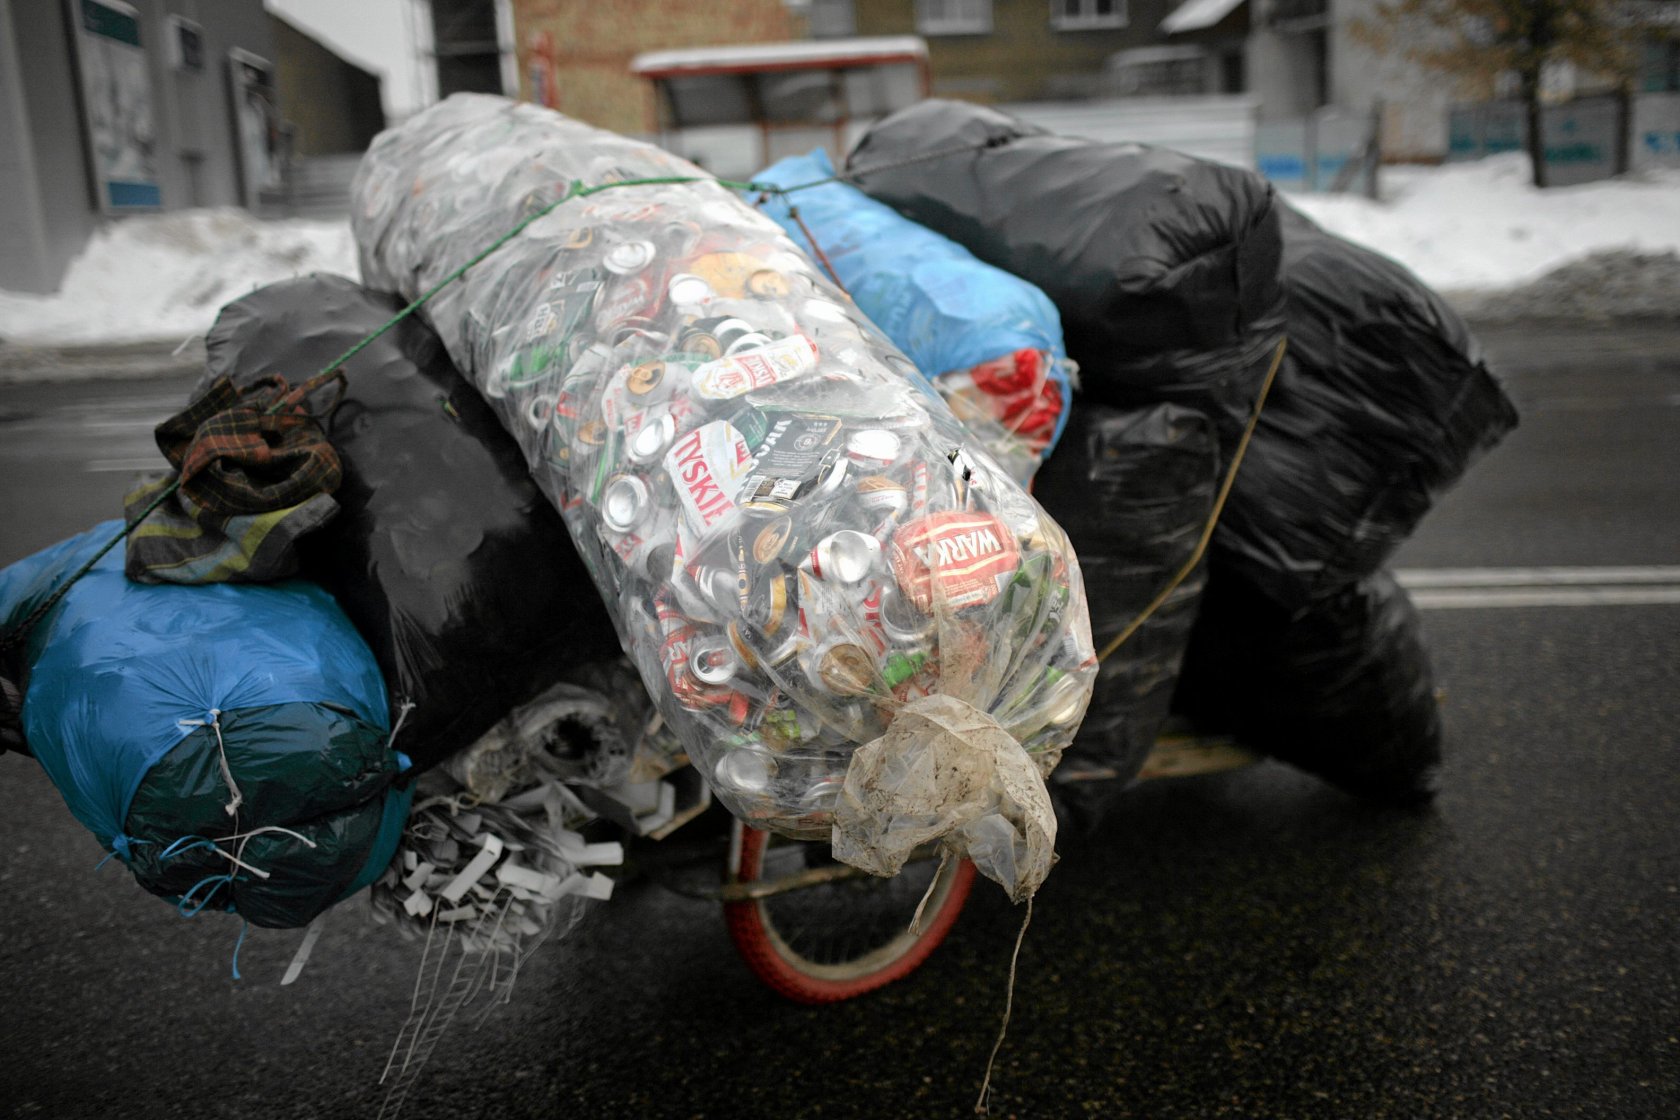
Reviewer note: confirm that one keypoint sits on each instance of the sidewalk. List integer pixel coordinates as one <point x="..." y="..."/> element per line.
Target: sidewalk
<point x="87" y="363"/>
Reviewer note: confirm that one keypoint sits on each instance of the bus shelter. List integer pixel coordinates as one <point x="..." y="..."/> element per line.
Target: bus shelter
<point x="737" y="109"/>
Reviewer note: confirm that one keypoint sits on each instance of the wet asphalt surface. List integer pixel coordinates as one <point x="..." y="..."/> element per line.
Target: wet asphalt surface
<point x="1251" y="944"/>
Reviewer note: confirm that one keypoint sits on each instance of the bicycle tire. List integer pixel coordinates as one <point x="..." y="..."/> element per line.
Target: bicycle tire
<point x="762" y="934"/>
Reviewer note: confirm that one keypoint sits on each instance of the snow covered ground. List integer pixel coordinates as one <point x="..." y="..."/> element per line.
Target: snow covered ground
<point x="1476" y="231"/>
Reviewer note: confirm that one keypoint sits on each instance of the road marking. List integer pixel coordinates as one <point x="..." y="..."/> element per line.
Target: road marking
<point x="1600" y="404"/>
<point x="1458" y="588"/>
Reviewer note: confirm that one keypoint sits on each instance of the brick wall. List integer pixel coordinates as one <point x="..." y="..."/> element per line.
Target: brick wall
<point x="1024" y="58"/>
<point x="593" y="42"/>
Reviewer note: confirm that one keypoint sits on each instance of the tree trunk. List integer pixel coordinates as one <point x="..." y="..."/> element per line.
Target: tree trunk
<point x="1531" y="110"/>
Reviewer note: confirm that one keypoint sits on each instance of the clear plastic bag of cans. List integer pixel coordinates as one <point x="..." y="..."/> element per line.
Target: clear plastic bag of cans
<point x="793" y="533"/>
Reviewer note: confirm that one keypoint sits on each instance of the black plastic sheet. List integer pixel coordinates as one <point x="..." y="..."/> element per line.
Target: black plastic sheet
<point x="1133" y="489"/>
<point x="1344" y="690"/>
<point x="459" y="574"/>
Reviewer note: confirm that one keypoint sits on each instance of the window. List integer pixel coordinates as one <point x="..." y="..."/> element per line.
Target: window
<point x="1087" y="15"/>
<point x="831" y="19"/>
<point x="953" y="17"/>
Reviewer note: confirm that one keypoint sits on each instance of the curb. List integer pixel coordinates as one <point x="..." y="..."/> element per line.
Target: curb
<point x="98" y="363"/>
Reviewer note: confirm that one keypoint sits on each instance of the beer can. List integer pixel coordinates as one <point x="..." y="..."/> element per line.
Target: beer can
<point x="629" y="256"/>
<point x="844" y="557"/>
<point x="646" y="379"/>
<point x="767" y="283"/>
<point x="746" y="767"/>
<point x="792" y="444"/>
<point x="879" y="493"/>
<point x="751" y="340"/>
<point x="873" y="448"/>
<point x="901" y="621"/>
<point x="771" y="540"/>
<point x="840" y="666"/>
<point x="651" y="439"/>
<point x="1064" y="699"/>
<point x="820" y="798"/>
<point x="688" y="290"/>
<point x="732" y="376"/>
<point x="772" y="604"/>
<point x="539" y="410"/>
<point x="712" y="661"/>
<point x="726" y="330"/>
<point x="624" y="503"/>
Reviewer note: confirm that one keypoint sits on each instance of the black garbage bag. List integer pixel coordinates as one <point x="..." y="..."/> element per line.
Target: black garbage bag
<point x="1344" y="690"/>
<point x="1164" y="267"/>
<point x="452" y="565"/>
<point x="1383" y="403"/>
<point x="1175" y="279"/>
<point x="1133" y="489"/>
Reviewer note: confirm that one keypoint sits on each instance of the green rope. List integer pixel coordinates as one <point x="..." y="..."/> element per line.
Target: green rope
<point x="18" y="634"/>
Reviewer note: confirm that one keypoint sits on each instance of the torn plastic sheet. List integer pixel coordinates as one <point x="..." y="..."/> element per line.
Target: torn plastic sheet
<point x="945" y="770"/>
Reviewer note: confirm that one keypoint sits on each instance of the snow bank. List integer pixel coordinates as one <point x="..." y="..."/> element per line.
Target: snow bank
<point x="164" y="276"/>
<point x="1482" y="227"/>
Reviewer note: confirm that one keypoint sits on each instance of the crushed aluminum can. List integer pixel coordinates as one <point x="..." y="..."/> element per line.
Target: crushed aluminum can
<point x="902" y="623"/>
<point x="651" y="438"/>
<point x="708" y="466"/>
<point x="629" y="256"/>
<point x="793" y="444"/>
<point x="688" y="290"/>
<point x="844" y="557"/>
<point x="712" y="661"/>
<point x="752" y="340"/>
<point x="539" y="410"/>
<point x="822" y="796"/>
<point x="1066" y="697"/>
<point x="879" y="493"/>
<point x="630" y="304"/>
<point x="956" y="559"/>
<point x="767" y="283"/>
<point x="729" y="377"/>
<point x="624" y="503"/>
<point x="840" y="666"/>
<point x="760" y="491"/>
<point x="746" y="766"/>
<point x="726" y="331"/>
<point x="873" y="448"/>
<point x="645" y="554"/>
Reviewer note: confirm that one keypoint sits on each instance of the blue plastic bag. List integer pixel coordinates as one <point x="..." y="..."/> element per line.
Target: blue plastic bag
<point x="229" y="742"/>
<point x="961" y="321"/>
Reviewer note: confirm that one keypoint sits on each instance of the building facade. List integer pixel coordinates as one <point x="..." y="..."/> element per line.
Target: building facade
<point x="110" y="107"/>
<point x="574" y="55"/>
<point x="1019" y="50"/>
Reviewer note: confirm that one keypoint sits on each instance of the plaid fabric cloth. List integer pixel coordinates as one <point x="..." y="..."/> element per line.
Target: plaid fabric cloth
<point x="256" y="473"/>
<point x="181" y="542"/>
<point x="251" y="452"/>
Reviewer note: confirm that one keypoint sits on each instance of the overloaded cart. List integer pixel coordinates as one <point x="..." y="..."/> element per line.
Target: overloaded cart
<point x="645" y="505"/>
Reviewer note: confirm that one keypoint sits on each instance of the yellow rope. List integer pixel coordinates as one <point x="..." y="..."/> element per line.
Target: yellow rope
<point x="1213" y="516"/>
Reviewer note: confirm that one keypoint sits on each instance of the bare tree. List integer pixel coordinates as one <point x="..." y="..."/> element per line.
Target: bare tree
<point x="1477" y="40"/>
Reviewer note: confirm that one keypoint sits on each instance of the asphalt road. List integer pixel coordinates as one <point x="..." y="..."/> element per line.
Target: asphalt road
<point x="1250" y="944"/>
